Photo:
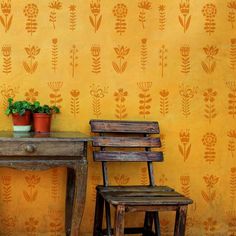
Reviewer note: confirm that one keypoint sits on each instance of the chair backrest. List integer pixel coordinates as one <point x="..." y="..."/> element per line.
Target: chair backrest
<point x="126" y="141"/>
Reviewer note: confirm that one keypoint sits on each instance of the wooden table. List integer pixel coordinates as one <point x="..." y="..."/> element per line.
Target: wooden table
<point x="41" y="151"/>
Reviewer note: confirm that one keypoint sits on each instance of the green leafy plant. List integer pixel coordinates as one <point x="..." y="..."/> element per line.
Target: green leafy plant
<point x="19" y="107"/>
<point x="37" y="108"/>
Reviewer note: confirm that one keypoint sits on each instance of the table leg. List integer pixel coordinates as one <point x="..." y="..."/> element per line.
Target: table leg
<point x="119" y="220"/>
<point x="180" y="221"/>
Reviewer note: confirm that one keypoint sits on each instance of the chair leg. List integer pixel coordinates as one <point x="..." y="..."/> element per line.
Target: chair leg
<point x="148" y="222"/>
<point x="97" y="228"/>
<point x="180" y="221"/>
<point x="157" y="224"/>
<point x="119" y="220"/>
<point x="108" y="218"/>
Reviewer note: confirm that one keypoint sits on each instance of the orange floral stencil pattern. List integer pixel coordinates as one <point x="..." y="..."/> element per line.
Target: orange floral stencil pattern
<point x="209" y="99"/>
<point x="233" y="183"/>
<point x="121" y="53"/>
<point x="97" y="94"/>
<point x="184" y="147"/>
<point x="31" y="65"/>
<point x="209" y="64"/>
<point x="209" y="12"/>
<point x="54" y="184"/>
<point x="120" y="98"/>
<point x="6" y="182"/>
<point x="209" y="141"/>
<point x="31" y="95"/>
<point x="74" y="102"/>
<point x="7" y="64"/>
<point x="232" y="9"/>
<point x="185" y="185"/>
<point x="145" y="98"/>
<point x="185" y="59"/>
<point x="186" y="94"/>
<point x="210" y="195"/>
<point x="185" y="18"/>
<point x="95" y="180"/>
<point x="164" y="102"/>
<point x="31" y="12"/>
<point x="162" y="17"/>
<point x="8" y="224"/>
<point x="56" y="224"/>
<point x="163" y="59"/>
<point x="166" y="227"/>
<point x="96" y="19"/>
<point x="122" y="179"/>
<point x="31" y="226"/>
<point x="6" y="18"/>
<point x="231" y="221"/>
<point x="55" y="6"/>
<point x="144" y="176"/>
<point x="55" y="96"/>
<point x="232" y="98"/>
<point x="8" y="91"/>
<point x="31" y="194"/>
<point x="143" y="54"/>
<point x="163" y="179"/>
<point x="144" y="6"/>
<point x="233" y="53"/>
<point x="54" y="60"/>
<point x="120" y="11"/>
<point x="231" y="143"/>
<point x="74" y="59"/>
<point x="73" y="17"/>
<point x="96" y="59"/>
<point x="210" y="225"/>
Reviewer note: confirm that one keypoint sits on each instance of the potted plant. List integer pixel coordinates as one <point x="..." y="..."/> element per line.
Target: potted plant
<point x="21" y="114"/>
<point x="42" y="116"/>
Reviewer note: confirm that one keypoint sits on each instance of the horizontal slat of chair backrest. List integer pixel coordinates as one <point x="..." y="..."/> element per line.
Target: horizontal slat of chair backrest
<point x="127" y="142"/>
<point x="110" y="126"/>
<point x="123" y="156"/>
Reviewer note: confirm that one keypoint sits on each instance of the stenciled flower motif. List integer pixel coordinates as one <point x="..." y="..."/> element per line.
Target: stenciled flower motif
<point x="184" y="7"/>
<point x="95" y="7"/>
<point x="120" y="95"/>
<point x="184" y="137"/>
<point x="31" y="95"/>
<point x="32" y="180"/>
<point x="164" y="93"/>
<point x="232" y="134"/>
<point x="6" y="50"/>
<point x="210" y="224"/>
<point x="6" y="7"/>
<point x="75" y="93"/>
<point x="211" y="180"/>
<point x="31" y="10"/>
<point x="211" y="51"/>
<point x="232" y="4"/>
<point x="209" y="10"/>
<point x="209" y="95"/>
<point x="31" y="224"/>
<point x="209" y="139"/>
<point x="121" y="52"/>
<point x="32" y="51"/>
<point x="185" y="50"/>
<point x="120" y="10"/>
<point x="145" y="4"/>
<point x="95" y="49"/>
<point x="56" y="4"/>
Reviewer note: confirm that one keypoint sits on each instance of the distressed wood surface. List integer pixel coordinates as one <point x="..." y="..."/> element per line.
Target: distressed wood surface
<point x="118" y="156"/>
<point x="112" y="126"/>
<point x="42" y="151"/>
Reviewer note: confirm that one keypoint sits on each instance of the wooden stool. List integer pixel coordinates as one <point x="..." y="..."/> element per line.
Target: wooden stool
<point x="149" y="199"/>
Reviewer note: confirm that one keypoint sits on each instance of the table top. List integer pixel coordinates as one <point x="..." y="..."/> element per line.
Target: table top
<point x="52" y="136"/>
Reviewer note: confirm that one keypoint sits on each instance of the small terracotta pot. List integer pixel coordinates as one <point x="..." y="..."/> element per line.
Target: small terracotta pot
<point x="42" y="122"/>
<point x="22" y="120"/>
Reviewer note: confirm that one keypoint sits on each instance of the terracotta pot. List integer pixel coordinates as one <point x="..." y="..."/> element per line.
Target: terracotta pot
<point x="42" y="122"/>
<point x="22" y="120"/>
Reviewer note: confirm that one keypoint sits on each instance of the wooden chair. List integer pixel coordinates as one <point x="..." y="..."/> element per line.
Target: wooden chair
<point x="120" y="141"/>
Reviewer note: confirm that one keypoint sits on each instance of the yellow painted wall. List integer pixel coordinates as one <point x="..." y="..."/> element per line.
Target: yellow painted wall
<point x="173" y="61"/>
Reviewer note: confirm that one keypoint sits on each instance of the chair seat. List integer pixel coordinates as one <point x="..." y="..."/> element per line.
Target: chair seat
<point x="142" y="195"/>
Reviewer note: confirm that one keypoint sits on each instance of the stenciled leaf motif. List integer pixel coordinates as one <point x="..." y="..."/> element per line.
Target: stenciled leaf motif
<point x="116" y="67"/>
<point x="26" y="196"/>
<point x="213" y="195"/>
<point x="9" y="23"/>
<point x="124" y="66"/>
<point x="34" y="66"/>
<point x="213" y="65"/>
<point x="34" y="196"/>
<point x="205" y="196"/>
<point x="99" y="22"/>
<point x="188" y="151"/>
<point x="2" y="21"/>
<point x="26" y="66"/>
<point x="188" y="22"/>
<point x="205" y="67"/>
<point x="91" y="21"/>
<point x="181" y="149"/>
<point x="181" y="21"/>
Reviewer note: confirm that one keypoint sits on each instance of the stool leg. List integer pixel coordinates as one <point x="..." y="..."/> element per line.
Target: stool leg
<point x="108" y="218"/>
<point x="157" y="224"/>
<point x="97" y="228"/>
<point x="119" y="221"/>
<point x="180" y="221"/>
<point x="148" y="222"/>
